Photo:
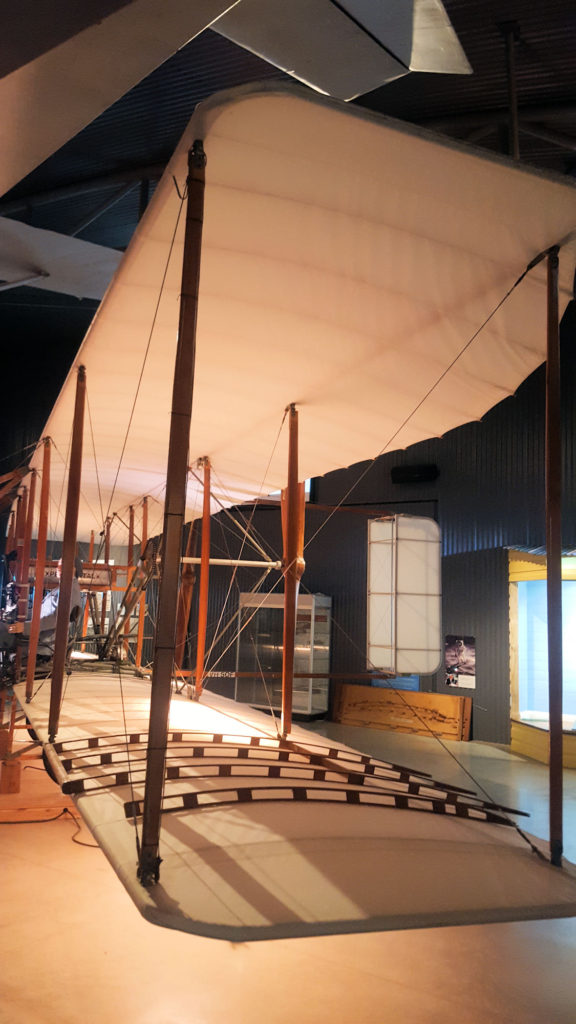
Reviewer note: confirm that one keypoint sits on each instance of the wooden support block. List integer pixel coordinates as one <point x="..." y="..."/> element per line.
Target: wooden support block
<point x="10" y="776"/>
<point x="4" y="742"/>
<point x="423" y="714"/>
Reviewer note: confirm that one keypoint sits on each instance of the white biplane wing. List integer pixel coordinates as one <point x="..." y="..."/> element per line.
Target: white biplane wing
<point x="351" y="264"/>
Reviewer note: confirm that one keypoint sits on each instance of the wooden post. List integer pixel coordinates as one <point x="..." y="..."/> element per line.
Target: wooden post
<point x="174" y="511"/>
<point x="11" y="770"/>
<point x="204" y="581"/>
<point x="7" y="731"/>
<point x="293" y="566"/>
<point x="10" y="532"/>
<point x="23" y="597"/>
<point x="68" y="553"/>
<point x="129" y="574"/>
<point x="87" y="605"/>
<point x="40" y="569"/>
<point x="554" y="557"/>
<point x="24" y="571"/>
<point x="20" y="530"/>
<point x="10" y="535"/>
<point x="187" y="580"/>
<point x="142" y="608"/>
<point x="106" y="560"/>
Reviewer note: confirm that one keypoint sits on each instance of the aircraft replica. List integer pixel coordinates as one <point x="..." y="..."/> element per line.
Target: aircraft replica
<point x="300" y="260"/>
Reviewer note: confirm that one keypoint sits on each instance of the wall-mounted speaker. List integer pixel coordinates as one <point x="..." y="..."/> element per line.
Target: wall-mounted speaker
<point x="422" y="474"/>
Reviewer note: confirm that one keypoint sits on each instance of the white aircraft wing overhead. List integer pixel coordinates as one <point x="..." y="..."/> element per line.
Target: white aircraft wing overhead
<point x="50" y="99"/>
<point x="342" y="50"/>
<point x="350" y="48"/>
<point x="351" y="264"/>
<point x="419" y="33"/>
<point x="54" y="262"/>
<point x="316" y="42"/>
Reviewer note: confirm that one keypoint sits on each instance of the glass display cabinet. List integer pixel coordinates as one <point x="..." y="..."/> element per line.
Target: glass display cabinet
<point x="259" y="651"/>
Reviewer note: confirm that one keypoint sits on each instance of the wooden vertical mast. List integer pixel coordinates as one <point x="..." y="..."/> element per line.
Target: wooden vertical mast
<point x="87" y="605"/>
<point x="187" y="579"/>
<point x="24" y="566"/>
<point x="174" y="511"/>
<point x="19" y="532"/>
<point x="130" y="574"/>
<point x="142" y="606"/>
<point x="554" y="556"/>
<point x="68" y="553"/>
<point x="293" y="566"/>
<point x="204" y="581"/>
<point x="24" y="570"/>
<point x="10" y="533"/>
<point x="106" y="562"/>
<point x="40" y="569"/>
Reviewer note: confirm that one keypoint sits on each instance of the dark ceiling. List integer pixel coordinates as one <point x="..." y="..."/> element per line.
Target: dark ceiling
<point x="96" y="186"/>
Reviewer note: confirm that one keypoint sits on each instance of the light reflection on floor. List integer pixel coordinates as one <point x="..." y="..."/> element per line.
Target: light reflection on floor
<point x="74" y="949"/>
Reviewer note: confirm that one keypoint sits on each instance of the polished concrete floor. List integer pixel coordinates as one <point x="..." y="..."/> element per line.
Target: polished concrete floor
<point x="74" y="949"/>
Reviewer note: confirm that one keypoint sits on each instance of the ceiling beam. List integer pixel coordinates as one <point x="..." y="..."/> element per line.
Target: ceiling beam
<point x="500" y="115"/>
<point x="151" y="172"/>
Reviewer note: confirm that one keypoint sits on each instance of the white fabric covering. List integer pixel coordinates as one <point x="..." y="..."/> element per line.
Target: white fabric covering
<point x="71" y="265"/>
<point x="347" y="262"/>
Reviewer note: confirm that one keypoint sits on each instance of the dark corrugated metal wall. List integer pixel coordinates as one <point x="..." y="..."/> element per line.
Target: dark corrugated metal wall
<point x="475" y="603"/>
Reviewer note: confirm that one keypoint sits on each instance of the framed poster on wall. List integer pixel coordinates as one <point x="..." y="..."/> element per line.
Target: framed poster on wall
<point x="460" y="661"/>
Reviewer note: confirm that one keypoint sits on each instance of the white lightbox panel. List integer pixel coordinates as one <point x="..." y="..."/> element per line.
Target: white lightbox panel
<point x="404" y="595"/>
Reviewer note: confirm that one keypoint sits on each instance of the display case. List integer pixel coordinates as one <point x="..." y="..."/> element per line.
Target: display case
<point x="259" y="651"/>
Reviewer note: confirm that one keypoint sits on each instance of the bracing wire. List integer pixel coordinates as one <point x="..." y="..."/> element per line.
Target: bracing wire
<point x="266" y="691"/>
<point x="20" y="451"/>
<point x="244" y="538"/>
<point x="252" y="538"/>
<point x="234" y="618"/>
<point x="94" y="454"/>
<point x="426" y="725"/>
<point x="248" y="620"/>
<point x="534" y="262"/>
<point x="147" y="351"/>
<point x="60" y="499"/>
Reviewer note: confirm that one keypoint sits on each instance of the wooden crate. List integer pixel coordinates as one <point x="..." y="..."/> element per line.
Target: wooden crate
<point x="407" y="711"/>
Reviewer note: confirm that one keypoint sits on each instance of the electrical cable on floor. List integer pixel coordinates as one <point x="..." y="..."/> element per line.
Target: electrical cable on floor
<point x="79" y="842"/>
<point x="37" y="821"/>
<point x="43" y="821"/>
